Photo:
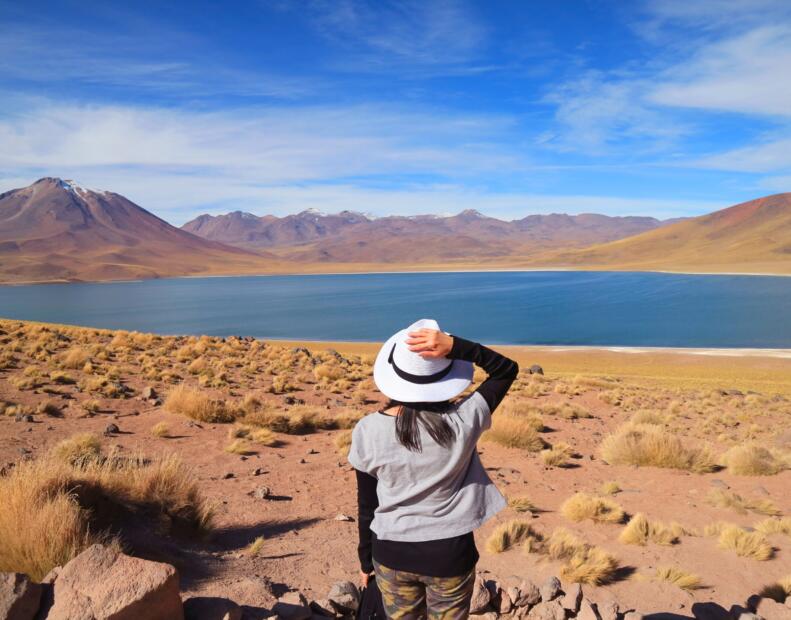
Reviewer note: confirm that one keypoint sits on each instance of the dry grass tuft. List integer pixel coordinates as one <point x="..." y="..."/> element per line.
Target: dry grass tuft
<point x="752" y="460"/>
<point x="581" y="506"/>
<point x="514" y="432"/>
<point x="721" y="498"/>
<point x="592" y="565"/>
<point x="160" y="429"/>
<point x="780" y="591"/>
<point x="521" y="504"/>
<point x="53" y="510"/>
<point x="745" y="544"/>
<point x="78" y="449"/>
<point x="255" y="547"/>
<point x="75" y="358"/>
<point x="676" y="576"/>
<point x="651" y="445"/>
<point x="197" y="405"/>
<point x="639" y="531"/>
<point x="558" y="455"/>
<point x="343" y="442"/>
<point x="239" y="446"/>
<point x="508" y="534"/>
<point x="610" y="488"/>
<point x="774" y="526"/>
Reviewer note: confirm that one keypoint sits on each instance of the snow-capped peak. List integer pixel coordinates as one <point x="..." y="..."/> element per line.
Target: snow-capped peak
<point x="75" y="187"/>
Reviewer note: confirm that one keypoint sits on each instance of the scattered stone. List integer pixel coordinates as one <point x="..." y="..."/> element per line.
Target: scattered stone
<point x="343" y="517"/>
<point x="770" y="609"/>
<point x="571" y="600"/>
<point x="258" y="471"/>
<point x="550" y="589"/>
<point x="587" y="611"/>
<point x="313" y="451"/>
<point x="292" y="606"/>
<point x="19" y="597"/>
<point x="535" y="369"/>
<point x="344" y="597"/>
<point x="211" y="608"/>
<point x="480" y="596"/>
<point x="547" y="610"/>
<point x="129" y="588"/>
<point x="262" y="492"/>
<point x="293" y="400"/>
<point x="227" y="475"/>
<point x="112" y="429"/>
<point x="608" y="610"/>
<point x="23" y="417"/>
<point x="148" y="393"/>
<point x="632" y="615"/>
<point x="529" y="594"/>
<point x="302" y="461"/>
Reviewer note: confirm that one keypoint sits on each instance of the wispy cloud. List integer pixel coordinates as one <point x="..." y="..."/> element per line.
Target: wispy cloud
<point x="434" y="36"/>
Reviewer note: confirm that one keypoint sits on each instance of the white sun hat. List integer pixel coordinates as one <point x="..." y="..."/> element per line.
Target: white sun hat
<point x="405" y="376"/>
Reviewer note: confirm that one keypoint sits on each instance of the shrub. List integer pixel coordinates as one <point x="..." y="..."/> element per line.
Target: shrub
<point x="78" y="449"/>
<point x="75" y="358"/>
<point x="558" y="455"/>
<point x="650" y="445"/>
<point x="721" y="498"/>
<point x="610" y="488"/>
<point x="53" y="510"/>
<point x="640" y="530"/>
<point x="255" y="547"/>
<point x="775" y="526"/>
<point x="58" y="376"/>
<point x="752" y="460"/>
<point x="160" y="429"/>
<point x="678" y="577"/>
<point x="240" y="446"/>
<point x="780" y="591"/>
<point x="591" y="565"/>
<point x="581" y="506"/>
<point x="197" y="405"/>
<point x="746" y="544"/>
<point x="343" y="442"/>
<point x="508" y="534"/>
<point x="331" y="372"/>
<point x="513" y="432"/>
<point x="521" y="504"/>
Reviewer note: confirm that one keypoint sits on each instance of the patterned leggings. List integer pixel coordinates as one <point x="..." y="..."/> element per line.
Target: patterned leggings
<point x="409" y="596"/>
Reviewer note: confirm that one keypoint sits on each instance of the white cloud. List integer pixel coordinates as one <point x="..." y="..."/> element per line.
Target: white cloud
<point x="771" y="156"/>
<point x="748" y="73"/>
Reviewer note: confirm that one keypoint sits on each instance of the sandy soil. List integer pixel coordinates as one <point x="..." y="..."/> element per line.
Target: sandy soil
<point x="311" y="483"/>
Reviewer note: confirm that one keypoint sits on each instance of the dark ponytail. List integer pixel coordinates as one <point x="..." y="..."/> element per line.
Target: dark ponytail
<point x="411" y="416"/>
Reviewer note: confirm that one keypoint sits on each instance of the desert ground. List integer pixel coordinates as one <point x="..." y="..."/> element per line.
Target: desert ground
<point x="657" y="478"/>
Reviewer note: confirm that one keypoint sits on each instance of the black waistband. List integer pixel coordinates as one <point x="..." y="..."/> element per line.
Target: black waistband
<point x="421" y="379"/>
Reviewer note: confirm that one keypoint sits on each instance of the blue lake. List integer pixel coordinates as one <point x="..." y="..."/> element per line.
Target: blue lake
<point x="548" y="308"/>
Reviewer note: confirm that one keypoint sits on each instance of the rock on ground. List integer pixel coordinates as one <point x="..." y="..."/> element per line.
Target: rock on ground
<point x="547" y="610"/>
<point x="103" y="583"/>
<point x="480" y="596"/>
<point x="293" y="606"/>
<point x="770" y="609"/>
<point x="587" y="611"/>
<point x="571" y="600"/>
<point x="344" y="597"/>
<point x="19" y="597"/>
<point x="211" y="608"/>
<point x="550" y="589"/>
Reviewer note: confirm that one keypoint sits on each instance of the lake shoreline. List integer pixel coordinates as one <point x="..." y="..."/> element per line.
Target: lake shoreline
<point x="416" y="270"/>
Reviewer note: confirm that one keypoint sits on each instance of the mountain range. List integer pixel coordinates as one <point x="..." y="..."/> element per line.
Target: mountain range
<point x="56" y="230"/>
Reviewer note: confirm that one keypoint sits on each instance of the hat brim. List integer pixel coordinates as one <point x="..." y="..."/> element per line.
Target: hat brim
<point x="393" y="386"/>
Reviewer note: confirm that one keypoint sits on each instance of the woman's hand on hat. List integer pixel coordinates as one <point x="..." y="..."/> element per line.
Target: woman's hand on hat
<point x="429" y="343"/>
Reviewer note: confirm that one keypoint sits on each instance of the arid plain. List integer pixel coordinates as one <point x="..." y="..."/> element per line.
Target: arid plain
<point x="663" y="475"/>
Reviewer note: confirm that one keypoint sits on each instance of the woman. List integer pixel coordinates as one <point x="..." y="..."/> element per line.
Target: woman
<point x="421" y="488"/>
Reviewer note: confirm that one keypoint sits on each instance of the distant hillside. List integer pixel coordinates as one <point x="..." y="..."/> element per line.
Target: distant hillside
<point x="753" y="236"/>
<point x="57" y="230"/>
<point x="348" y="236"/>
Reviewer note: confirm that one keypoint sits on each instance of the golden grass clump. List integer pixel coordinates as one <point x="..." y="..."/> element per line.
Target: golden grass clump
<point x="78" y="449"/>
<point x="752" y="460"/>
<point x="239" y="446"/>
<point x="514" y="432"/>
<point x="721" y="498"/>
<point x="53" y="510"/>
<point x="651" y="445"/>
<point x="508" y="534"/>
<point x="639" y="531"/>
<point x="521" y="504"/>
<point x="197" y="405"/>
<point x="343" y="442"/>
<point x="591" y="565"/>
<point x="160" y="429"/>
<point x="255" y="547"/>
<point x="610" y="488"/>
<point x="676" y="576"/>
<point x="774" y="526"/>
<point x="75" y="358"/>
<point x="558" y="455"/>
<point x="58" y="376"/>
<point x="581" y="506"/>
<point x="745" y="544"/>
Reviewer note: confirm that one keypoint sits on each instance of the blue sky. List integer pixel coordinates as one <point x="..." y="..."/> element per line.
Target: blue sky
<point x="651" y="107"/>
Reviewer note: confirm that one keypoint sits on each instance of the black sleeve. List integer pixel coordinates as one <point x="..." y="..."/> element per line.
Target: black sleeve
<point x="367" y="503"/>
<point x="501" y="370"/>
